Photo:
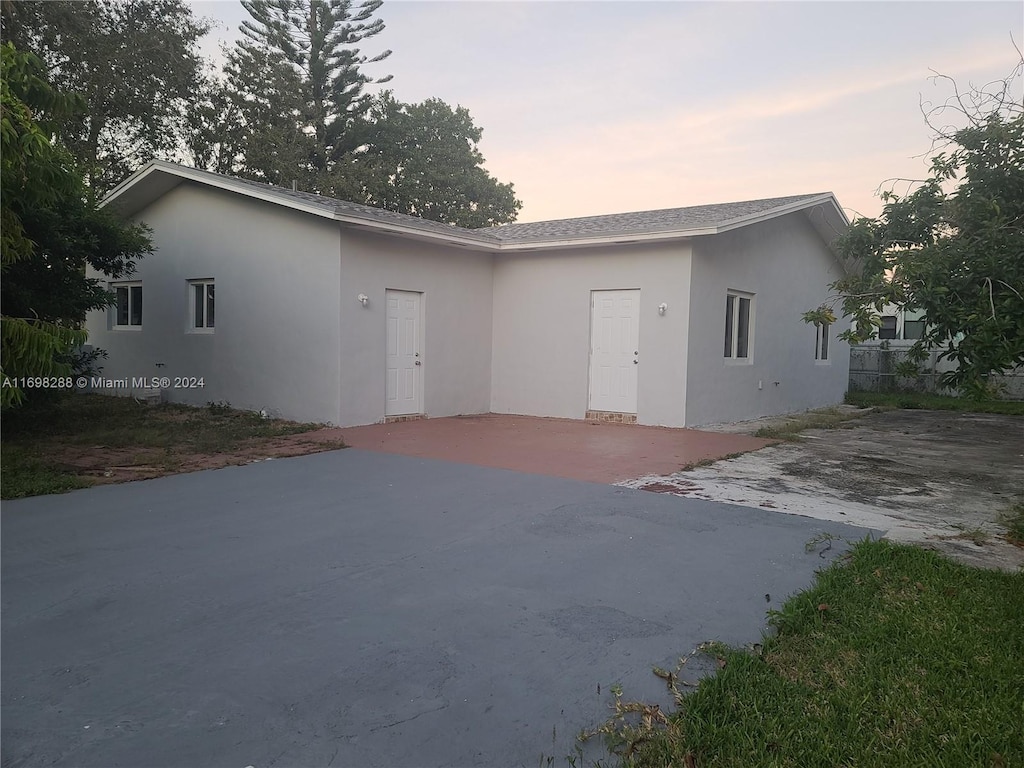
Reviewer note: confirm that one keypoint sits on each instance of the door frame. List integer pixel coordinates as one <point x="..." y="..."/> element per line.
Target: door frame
<point x="420" y="338"/>
<point x="590" y="348"/>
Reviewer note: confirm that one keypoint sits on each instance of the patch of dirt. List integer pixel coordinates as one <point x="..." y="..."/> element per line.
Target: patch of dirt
<point x="105" y="464"/>
<point x="938" y="478"/>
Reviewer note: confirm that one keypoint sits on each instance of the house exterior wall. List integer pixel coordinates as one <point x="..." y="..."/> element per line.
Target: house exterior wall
<point x="787" y="267"/>
<point x="277" y="306"/>
<point x="505" y="332"/>
<point x="542" y="316"/>
<point x="456" y="317"/>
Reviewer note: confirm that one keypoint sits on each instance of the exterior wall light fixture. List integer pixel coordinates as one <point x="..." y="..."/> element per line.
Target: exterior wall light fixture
<point x="363" y="299"/>
<point x="662" y="308"/>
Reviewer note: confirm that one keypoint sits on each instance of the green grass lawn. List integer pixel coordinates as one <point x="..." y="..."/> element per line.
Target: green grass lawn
<point x="40" y="440"/>
<point x="895" y="657"/>
<point x="934" y="402"/>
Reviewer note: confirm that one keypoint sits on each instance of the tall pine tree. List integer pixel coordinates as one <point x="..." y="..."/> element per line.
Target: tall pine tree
<point x="317" y="40"/>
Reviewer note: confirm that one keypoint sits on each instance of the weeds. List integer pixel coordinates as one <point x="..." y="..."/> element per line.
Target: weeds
<point x="712" y="460"/>
<point x="824" y="418"/>
<point x="1013" y="519"/>
<point x="919" y="400"/>
<point x="52" y="447"/>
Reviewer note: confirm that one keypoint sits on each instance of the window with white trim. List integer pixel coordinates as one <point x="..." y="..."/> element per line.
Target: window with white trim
<point x="739" y="316"/>
<point x="821" y="333"/>
<point x="201" y="305"/>
<point x="127" y="309"/>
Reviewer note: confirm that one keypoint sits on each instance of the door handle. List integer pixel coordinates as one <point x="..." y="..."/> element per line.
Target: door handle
<point x="418" y="363"/>
<point x="636" y="362"/>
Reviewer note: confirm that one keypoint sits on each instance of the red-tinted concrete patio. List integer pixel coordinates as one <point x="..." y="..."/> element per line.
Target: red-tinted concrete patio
<point x="579" y="450"/>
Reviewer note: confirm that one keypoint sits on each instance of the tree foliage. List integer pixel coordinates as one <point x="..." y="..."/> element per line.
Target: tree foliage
<point x="52" y="229"/>
<point x="953" y="246"/>
<point x="423" y="160"/>
<point x="135" y="62"/>
<point x="291" y="108"/>
<point x="300" y="58"/>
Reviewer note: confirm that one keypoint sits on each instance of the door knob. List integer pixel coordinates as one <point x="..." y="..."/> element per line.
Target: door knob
<point x="636" y="362"/>
<point x="418" y="362"/>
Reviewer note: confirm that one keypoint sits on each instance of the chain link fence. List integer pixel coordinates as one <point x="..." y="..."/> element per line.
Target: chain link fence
<point x="873" y="369"/>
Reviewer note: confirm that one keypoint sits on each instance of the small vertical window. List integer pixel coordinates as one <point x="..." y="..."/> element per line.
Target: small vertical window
<point x="888" y="327"/>
<point x="202" y="304"/>
<point x="821" y="334"/>
<point x="127" y="306"/>
<point x="738" y="320"/>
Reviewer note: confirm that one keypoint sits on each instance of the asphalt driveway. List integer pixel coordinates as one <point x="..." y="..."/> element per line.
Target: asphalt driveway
<point x="357" y="608"/>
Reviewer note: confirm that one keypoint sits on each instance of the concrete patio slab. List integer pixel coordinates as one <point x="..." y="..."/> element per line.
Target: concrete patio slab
<point x="361" y="609"/>
<point x="941" y="479"/>
<point x="578" y="450"/>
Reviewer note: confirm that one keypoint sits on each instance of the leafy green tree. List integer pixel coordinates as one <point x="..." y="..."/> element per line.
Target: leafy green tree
<point x="136" y="64"/>
<point x="52" y="229"/>
<point x="952" y="247"/>
<point x="423" y="160"/>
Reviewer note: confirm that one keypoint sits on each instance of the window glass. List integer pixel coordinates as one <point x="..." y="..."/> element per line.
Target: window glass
<point x="122" y="305"/>
<point x="209" y="305"/>
<point x="729" y="308"/>
<point x="135" y="304"/>
<point x="888" y="329"/>
<point x="913" y="329"/>
<point x="743" y="328"/>
<point x="198" y="303"/>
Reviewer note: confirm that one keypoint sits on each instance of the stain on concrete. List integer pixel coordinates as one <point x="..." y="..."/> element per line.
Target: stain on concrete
<point x="939" y="478"/>
<point x="582" y="622"/>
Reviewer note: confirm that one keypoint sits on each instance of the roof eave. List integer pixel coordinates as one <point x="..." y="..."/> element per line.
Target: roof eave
<point x="455" y="238"/>
<point x="783" y="210"/>
<point x="120" y="197"/>
<point x="621" y="239"/>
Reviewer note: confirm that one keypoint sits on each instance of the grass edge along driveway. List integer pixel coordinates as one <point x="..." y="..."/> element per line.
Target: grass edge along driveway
<point x="895" y="656"/>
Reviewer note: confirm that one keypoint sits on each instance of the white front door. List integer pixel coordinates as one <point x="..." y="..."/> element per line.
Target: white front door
<point x="404" y="360"/>
<point x="614" y="350"/>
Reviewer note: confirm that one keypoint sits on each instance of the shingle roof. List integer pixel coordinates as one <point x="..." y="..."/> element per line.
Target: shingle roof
<point x="343" y="207"/>
<point x="669" y="222"/>
<point x="645" y="222"/>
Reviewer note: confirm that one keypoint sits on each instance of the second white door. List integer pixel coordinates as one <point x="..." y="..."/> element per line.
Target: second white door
<point x="404" y="395"/>
<point x="614" y="350"/>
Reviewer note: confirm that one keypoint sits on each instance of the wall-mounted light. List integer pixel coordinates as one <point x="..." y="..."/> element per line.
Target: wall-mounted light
<point x="662" y="308"/>
<point x="363" y="299"/>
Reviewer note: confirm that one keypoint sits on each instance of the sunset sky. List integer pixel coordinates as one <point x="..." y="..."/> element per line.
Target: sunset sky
<point x="604" y="107"/>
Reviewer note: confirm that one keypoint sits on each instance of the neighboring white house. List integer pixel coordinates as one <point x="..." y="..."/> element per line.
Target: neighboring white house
<point x="874" y="363"/>
<point x="321" y="310"/>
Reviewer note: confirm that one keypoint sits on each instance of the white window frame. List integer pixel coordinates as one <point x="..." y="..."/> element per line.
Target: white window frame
<point x="732" y="327"/>
<point x="130" y="326"/>
<point x="822" y="341"/>
<point x="193" y="327"/>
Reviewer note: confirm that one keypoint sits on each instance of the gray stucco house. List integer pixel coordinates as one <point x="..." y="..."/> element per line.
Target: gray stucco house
<point x="321" y="310"/>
